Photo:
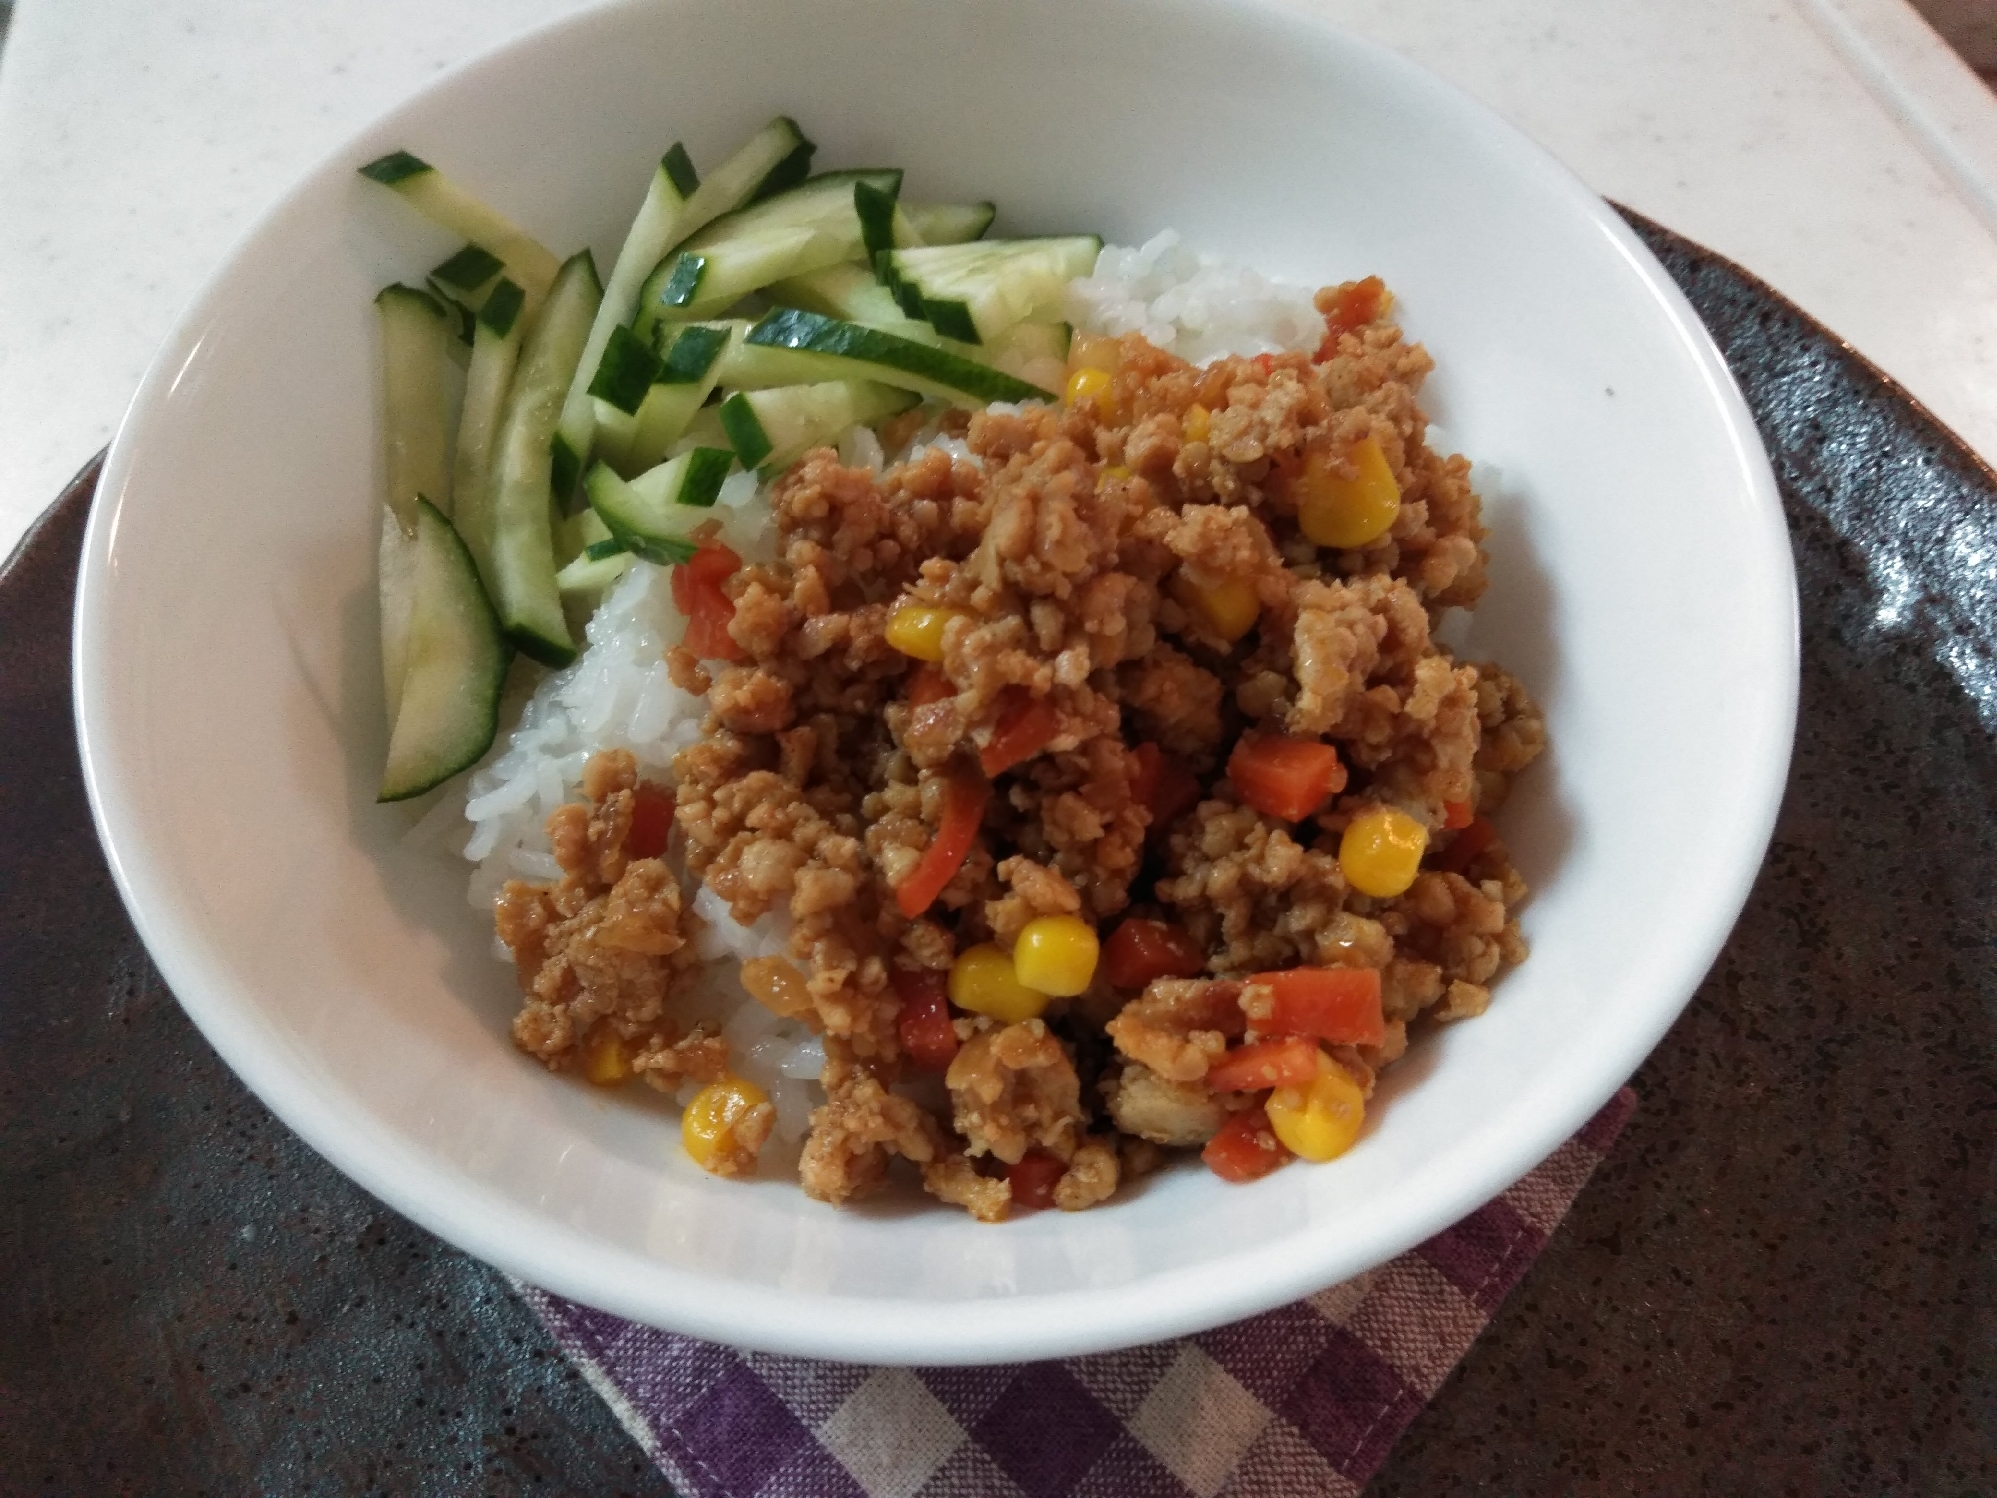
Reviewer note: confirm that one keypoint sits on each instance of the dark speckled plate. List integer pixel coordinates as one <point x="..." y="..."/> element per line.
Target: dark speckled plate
<point x="1783" y="1281"/>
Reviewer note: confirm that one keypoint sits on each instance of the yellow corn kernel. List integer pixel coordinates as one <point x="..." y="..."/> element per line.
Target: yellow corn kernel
<point x="1198" y="422"/>
<point x="777" y="984"/>
<point x="1095" y="351"/>
<point x="1335" y="511"/>
<point x="607" y="1063"/>
<point x="1056" y="955"/>
<point x="916" y="629"/>
<point x="1381" y="851"/>
<point x="1319" y="1121"/>
<point x="1090" y="383"/>
<point x="707" y="1127"/>
<point x="1230" y="608"/>
<point x="982" y="980"/>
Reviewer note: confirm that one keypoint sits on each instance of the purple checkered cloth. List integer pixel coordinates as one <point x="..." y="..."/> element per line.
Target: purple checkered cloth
<point x="1308" y="1399"/>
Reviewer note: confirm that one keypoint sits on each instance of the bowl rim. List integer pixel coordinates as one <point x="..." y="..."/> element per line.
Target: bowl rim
<point x="557" y="1258"/>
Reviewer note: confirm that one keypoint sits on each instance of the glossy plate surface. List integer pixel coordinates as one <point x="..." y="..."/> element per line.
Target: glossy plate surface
<point x="226" y="670"/>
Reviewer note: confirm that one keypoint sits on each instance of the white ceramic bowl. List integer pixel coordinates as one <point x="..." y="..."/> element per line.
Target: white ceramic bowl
<point x="226" y="677"/>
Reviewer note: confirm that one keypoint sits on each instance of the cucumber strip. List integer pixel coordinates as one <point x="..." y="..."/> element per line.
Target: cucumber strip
<point x="844" y="291"/>
<point x="655" y="514"/>
<point x="974" y="292"/>
<point x="695" y="284"/>
<point x="432" y="194"/>
<point x="822" y="348"/>
<point x="688" y="373"/>
<point x="625" y="372"/>
<point x="453" y="663"/>
<point x="823" y="202"/>
<point x="416" y="337"/>
<point x="517" y="560"/>
<point x="663" y="218"/>
<point x="950" y="223"/>
<point x="469" y="274"/>
<point x="592" y="574"/>
<point x="579" y="532"/>
<point x="676" y="205"/>
<point x="496" y="341"/>
<point x="882" y="223"/>
<point x="774" y="428"/>
<point x="395" y="575"/>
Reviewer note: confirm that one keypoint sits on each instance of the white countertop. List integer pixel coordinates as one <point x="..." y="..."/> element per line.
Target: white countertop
<point x="1834" y="147"/>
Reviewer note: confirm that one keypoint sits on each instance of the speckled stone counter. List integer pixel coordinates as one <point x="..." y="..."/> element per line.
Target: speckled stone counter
<point x="1782" y="1281"/>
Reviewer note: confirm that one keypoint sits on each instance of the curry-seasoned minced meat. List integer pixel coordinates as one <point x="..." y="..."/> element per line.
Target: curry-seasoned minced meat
<point x="1069" y="554"/>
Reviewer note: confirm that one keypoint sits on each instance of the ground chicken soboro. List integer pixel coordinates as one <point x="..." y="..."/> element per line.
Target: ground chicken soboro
<point x="1124" y="594"/>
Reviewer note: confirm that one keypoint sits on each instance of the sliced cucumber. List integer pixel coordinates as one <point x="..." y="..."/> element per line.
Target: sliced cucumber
<point x="662" y="219"/>
<point x="518" y="560"/>
<point x="677" y="204"/>
<point x="687" y="374"/>
<point x="843" y="291"/>
<point x="811" y="226"/>
<point x="592" y="573"/>
<point x="625" y="372"/>
<point x="453" y="661"/>
<point x="469" y="274"/>
<point x="774" y="428"/>
<point x="974" y="292"/>
<point x="496" y="342"/>
<point x="416" y="338"/>
<point x="432" y="194"/>
<point x="822" y="202"/>
<point x="949" y="223"/>
<point x="655" y="513"/>
<point x="395" y="576"/>
<point x="817" y="348"/>
<point x="694" y="284"/>
<point x="594" y="558"/>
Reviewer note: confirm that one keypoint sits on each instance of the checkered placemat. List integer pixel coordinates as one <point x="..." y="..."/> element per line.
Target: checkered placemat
<point x="1305" y="1400"/>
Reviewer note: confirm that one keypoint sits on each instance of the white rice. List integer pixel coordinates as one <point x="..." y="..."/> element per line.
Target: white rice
<point x="1197" y="306"/>
<point x="617" y="694"/>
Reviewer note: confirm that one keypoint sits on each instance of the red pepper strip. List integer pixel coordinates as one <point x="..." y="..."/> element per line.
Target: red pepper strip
<point x="1338" y="1004"/>
<point x="651" y="820"/>
<point x="1288" y="1062"/>
<point x="1245" y="1148"/>
<point x="1466" y="845"/>
<point x="697" y="594"/>
<point x="964" y="798"/>
<point x="1034" y="1178"/>
<point x="1456" y="815"/>
<point x="1162" y="785"/>
<point x="1024" y="728"/>
<point x="1140" y="950"/>
<point x="928" y="685"/>
<point x="923" y="1026"/>
<point x="1354" y="305"/>
<point x="1284" y="777"/>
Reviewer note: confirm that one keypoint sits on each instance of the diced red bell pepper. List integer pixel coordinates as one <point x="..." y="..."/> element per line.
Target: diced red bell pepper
<point x="1355" y="304"/>
<point x="697" y="594"/>
<point x="651" y="820"/>
<point x="1026" y="725"/>
<point x="1457" y="815"/>
<point x="1245" y="1148"/>
<point x="923" y="1026"/>
<point x="1290" y="1061"/>
<point x="1285" y="777"/>
<point x="1162" y="785"/>
<point x="1338" y="1004"/>
<point x="1466" y="845"/>
<point x="964" y="798"/>
<point x="1034" y="1178"/>
<point x="927" y="685"/>
<point x="1140" y="950"/>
